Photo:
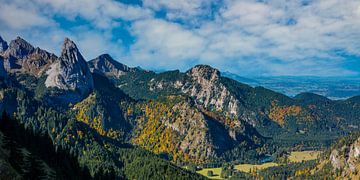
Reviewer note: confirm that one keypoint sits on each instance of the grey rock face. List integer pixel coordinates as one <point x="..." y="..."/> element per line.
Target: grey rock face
<point x="347" y="160"/>
<point x="209" y="91"/>
<point x="204" y="72"/>
<point x="18" y="49"/>
<point x="70" y="71"/>
<point x="38" y="62"/>
<point x="22" y="57"/>
<point x="106" y="65"/>
<point x="3" y="45"/>
<point x="192" y="125"/>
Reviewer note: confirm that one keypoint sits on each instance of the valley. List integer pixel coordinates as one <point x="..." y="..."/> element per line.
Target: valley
<point x="113" y="121"/>
<point x="293" y="157"/>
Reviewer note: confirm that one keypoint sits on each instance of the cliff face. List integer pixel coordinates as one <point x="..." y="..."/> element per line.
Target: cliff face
<point x="19" y="48"/>
<point x="346" y="158"/>
<point x="206" y="88"/>
<point x="70" y="71"/>
<point x="173" y="125"/>
<point x="22" y="57"/>
<point x="342" y="161"/>
<point x="106" y="65"/>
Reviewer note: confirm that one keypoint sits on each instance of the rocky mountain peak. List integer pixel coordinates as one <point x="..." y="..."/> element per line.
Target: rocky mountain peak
<point x="208" y="90"/>
<point x="21" y="56"/>
<point x="3" y="45"/>
<point x="106" y="65"/>
<point x="19" y="48"/>
<point x="70" y="71"/>
<point x="43" y="54"/>
<point x="204" y="72"/>
<point x="70" y="52"/>
<point x="106" y="58"/>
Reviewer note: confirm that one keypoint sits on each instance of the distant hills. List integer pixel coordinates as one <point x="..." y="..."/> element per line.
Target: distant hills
<point x="130" y="123"/>
<point x="332" y="87"/>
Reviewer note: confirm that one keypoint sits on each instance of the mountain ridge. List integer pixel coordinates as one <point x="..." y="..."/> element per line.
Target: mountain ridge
<point x="197" y="116"/>
<point x="70" y="71"/>
<point x="106" y="65"/>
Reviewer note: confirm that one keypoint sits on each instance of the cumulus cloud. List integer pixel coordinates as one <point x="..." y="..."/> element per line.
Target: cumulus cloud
<point x="248" y="37"/>
<point x="93" y="43"/>
<point x="190" y="11"/>
<point x="17" y="17"/>
<point x="103" y="13"/>
<point x="35" y="20"/>
<point x="164" y="44"/>
<point x="267" y="37"/>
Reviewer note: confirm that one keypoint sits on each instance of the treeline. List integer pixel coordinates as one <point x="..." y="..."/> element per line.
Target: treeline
<point x="67" y="148"/>
<point x="41" y="159"/>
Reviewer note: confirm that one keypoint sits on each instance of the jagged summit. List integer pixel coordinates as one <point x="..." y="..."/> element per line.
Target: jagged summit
<point x="70" y="52"/>
<point x="19" y="48"/>
<point x="70" y="71"/>
<point x="3" y="45"/>
<point x="204" y="71"/>
<point x="21" y="56"/>
<point x="106" y="65"/>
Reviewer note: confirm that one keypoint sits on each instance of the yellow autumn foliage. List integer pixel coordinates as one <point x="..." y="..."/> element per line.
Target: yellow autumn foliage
<point x="155" y="136"/>
<point x="96" y="122"/>
<point x="279" y="113"/>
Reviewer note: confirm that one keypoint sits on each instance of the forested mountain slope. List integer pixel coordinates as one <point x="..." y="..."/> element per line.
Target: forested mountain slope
<point x="112" y="119"/>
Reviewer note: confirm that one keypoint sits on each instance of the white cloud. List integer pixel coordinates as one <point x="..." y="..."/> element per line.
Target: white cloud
<point x="103" y="13"/>
<point x="254" y="37"/>
<point x="34" y="21"/>
<point x="18" y="18"/>
<point x="273" y="37"/>
<point x="189" y="10"/>
<point x="93" y="44"/>
<point x="164" y="44"/>
<point x="319" y="28"/>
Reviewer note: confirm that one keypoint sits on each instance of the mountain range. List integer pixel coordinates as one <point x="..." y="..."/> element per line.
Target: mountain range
<point x="112" y="119"/>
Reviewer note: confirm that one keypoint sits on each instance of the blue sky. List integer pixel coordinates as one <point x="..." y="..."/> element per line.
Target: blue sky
<point x="246" y="37"/>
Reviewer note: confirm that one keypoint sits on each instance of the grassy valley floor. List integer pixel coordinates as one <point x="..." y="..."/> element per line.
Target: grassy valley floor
<point x="294" y="157"/>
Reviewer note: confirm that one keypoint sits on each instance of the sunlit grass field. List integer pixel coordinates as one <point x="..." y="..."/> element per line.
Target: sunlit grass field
<point x="295" y="156"/>
<point x="298" y="156"/>
<point x="250" y="167"/>
<point x="216" y="171"/>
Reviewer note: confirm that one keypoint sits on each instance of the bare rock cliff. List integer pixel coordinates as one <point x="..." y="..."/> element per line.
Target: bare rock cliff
<point x="70" y="71"/>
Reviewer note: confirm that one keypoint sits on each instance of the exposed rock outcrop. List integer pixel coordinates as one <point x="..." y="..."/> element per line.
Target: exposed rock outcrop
<point x="177" y="128"/>
<point x="18" y="49"/>
<point x="38" y="62"/>
<point x="106" y="65"/>
<point x="343" y="162"/>
<point x="21" y="56"/>
<point x="208" y="90"/>
<point x="70" y="71"/>
<point x="347" y="157"/>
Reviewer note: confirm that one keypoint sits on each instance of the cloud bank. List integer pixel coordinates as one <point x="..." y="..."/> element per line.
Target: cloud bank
<point x="247" y="37"/>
